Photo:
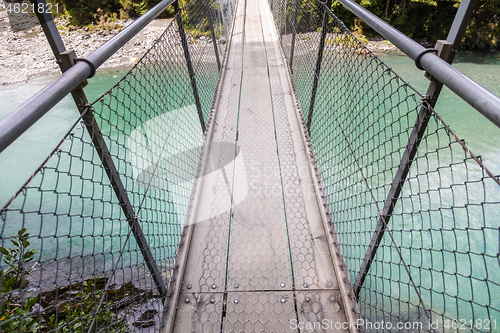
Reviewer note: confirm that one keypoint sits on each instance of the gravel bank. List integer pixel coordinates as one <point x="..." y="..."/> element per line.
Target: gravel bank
<point x="379" y="45"/>
<point x="26" y="54"/>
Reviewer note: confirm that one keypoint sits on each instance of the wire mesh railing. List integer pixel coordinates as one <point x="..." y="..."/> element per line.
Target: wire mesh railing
<point x="422" y="252"/>
<point x="88" y="244"/>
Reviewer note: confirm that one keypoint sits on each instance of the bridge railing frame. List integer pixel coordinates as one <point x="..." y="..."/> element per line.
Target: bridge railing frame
<point x="436" y="63"/>
<point x="454" y="39"/>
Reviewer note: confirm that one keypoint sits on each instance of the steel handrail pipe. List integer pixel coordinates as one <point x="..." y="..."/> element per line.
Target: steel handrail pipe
<point x="20" y="119"/>
<point x="484" y="101"/>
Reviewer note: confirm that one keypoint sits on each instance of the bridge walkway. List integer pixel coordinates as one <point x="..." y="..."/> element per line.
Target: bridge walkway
<point x="258" y="257"/>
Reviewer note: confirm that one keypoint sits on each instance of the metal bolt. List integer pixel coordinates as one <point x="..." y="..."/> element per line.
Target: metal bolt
<point x="283" y="300"/>
<point x="212" y="300"/>
<point x="189" y="286"/>
<point x="214" y="286"/>
<point x="306" y="285"/>
<point x="330" y="284"/>
<point x="236" y="286"/>
<point x="307" y="299"/>
<point x="282" y="285"/>
<point x="236" y="301"/>
<point x="187" y="300"/>
<point x="332" y="299"/>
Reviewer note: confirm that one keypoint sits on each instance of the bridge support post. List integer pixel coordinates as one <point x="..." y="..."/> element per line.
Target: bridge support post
<point x="187" y="56"/>
<point x="454" y="38"/>
<point x="319" y="59"/>
<point x="211" y="12"/>
<point x="294" y="31"/>
<point x="66" y="59"/>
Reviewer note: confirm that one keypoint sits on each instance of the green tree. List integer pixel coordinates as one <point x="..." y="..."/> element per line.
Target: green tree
<point x="430" y="20"/>
<point x="15" y="310"/>
<point x="484" y="30"/>
<point x="88" y="11"/>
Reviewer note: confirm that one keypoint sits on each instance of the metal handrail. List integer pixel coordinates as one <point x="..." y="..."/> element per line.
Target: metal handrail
<point x="484" y="101"/>
<point x="19" y="120"/>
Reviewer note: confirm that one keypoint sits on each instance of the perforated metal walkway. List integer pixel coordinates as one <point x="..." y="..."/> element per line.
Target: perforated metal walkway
<point x="257" y="258"/>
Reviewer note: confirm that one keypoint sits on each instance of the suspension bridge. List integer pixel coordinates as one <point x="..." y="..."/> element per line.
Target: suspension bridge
<point x="258" y="170"/>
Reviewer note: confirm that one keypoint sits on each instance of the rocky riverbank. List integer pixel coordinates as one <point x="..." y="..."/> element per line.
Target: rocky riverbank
<point x="379" y="45"/>
<point x="26" y="54"/>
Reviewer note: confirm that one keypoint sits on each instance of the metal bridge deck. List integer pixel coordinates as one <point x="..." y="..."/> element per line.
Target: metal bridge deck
<point x="258" y="257"/>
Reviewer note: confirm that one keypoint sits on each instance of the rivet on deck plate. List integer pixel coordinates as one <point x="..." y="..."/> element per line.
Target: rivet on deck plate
<point x="307" y="299"/>
<point x="283" y="300"/>
<point x="236" y="301"/>
<point x="187" y="300"/>
<point x="330" y="284"/>
<point x="282" y="285"/>
<point x="214" y="286"/>
<point x="189" y="286"/>
<point x="236" y="286"/>
<point x="212" y="300"/>
<point x="332" y="299"/>
<point x="306" y="285"/>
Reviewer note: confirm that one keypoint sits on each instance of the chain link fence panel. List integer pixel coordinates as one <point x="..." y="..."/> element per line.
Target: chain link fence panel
<point x="436" y="265"/>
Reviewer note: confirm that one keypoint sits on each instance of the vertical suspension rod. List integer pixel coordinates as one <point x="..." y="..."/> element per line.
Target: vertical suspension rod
<point x="294" y="32"/>
<point x="187" y="56"/>
<point x="319" y="59"/>
<point x="210" y="14"/>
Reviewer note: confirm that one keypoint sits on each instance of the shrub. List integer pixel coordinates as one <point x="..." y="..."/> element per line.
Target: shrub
<point x="15" y="311"/>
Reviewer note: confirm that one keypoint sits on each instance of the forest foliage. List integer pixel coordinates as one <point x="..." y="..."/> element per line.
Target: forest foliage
<point x="423" y="20"/>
